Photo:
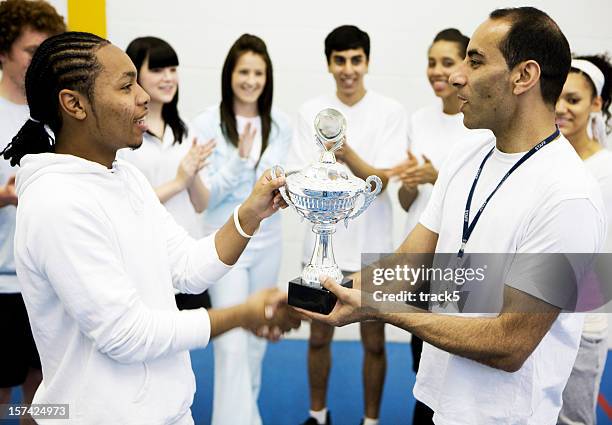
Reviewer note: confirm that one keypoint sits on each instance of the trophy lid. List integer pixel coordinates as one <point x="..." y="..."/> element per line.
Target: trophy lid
<point x="327" y="175"/>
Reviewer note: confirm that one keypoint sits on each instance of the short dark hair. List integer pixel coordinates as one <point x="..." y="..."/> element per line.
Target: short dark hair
<point x="246" y="43"/>
<point x="160" y="55"/>
<point x="533" y="35"/>
<point x="605" y="66"/>
<point x="454" y="35"/>
<point x="347" y="37"/>
<point x="64" y="61"/>
<point x="15" y="15"/>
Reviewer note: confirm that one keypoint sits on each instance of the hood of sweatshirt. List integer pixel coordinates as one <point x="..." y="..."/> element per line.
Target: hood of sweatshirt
<point x="34" y="166"/>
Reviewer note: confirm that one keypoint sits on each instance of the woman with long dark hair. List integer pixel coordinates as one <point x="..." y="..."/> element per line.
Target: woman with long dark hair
<point x="167" y="157"/>
<point x="250" y="136"/>
<point x="169" y="160"/>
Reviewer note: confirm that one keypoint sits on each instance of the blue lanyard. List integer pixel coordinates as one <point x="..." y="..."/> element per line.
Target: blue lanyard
<point x="469" y="228"/>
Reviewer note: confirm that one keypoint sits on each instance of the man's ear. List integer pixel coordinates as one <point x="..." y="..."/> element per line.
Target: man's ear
<point x="525" y="75"/>
<point x="73" y="103"/>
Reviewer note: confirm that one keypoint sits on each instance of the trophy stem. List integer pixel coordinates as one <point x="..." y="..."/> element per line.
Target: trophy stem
<point x="322" y="261"/>
<point x="323" y="253"/>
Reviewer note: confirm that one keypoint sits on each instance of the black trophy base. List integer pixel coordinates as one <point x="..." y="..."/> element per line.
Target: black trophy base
<point x="318" y="300"/>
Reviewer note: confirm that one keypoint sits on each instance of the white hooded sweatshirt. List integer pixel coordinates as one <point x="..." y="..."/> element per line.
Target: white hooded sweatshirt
<point x="98" y="256"/>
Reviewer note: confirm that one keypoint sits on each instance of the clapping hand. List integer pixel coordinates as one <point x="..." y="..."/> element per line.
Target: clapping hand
<point x="420" y="174"/>
<point x="245" y="141"/>
<point x="410" y="162"/>
<point x="411" y="173"/>
<point x="193" y="161"/>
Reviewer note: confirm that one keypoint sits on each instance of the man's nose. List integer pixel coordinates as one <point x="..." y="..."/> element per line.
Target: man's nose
<point x="457" y="79"/>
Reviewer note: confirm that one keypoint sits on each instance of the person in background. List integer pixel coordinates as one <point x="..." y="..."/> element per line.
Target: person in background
<point x="23" y="26"/>
<point x="375" y="138"/>
<point x="582" y="113"/>
<point x="250" y="136"/>
<point x="432" y="133"/>
<point x="168" y="158"/>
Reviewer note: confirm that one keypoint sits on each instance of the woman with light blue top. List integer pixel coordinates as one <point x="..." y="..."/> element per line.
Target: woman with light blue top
<point x="250" y="137"/>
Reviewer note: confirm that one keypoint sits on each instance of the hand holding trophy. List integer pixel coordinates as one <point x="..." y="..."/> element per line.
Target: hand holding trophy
<point x="324" y="193"/>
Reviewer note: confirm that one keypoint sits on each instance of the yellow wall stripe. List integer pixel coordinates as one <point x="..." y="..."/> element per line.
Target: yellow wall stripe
<point x="87" y="15"/>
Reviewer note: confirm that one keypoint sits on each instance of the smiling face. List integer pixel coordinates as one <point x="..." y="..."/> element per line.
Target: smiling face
<point x="443" y="60"/>
<point x="248" y="78"/>
<point x="160" y="83"/>
<point x="116" y="116"/>
<point x="575" y="105"/>
<point x="15" y="62"/>
<point x="483" y="81"/>
<point x="348" y="68"/>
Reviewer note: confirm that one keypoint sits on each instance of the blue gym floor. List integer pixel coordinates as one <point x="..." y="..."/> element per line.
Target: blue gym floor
<point x="284" y="394"/>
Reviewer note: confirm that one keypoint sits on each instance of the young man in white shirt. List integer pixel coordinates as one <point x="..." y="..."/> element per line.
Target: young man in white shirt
<point x="509" y="367"/>
<point x="24" y="26"/>
<point x="98" y="256"/>
<point x="375" y="139"/>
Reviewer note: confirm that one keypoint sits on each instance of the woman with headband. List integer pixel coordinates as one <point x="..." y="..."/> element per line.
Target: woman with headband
<point x="582" y="113"/>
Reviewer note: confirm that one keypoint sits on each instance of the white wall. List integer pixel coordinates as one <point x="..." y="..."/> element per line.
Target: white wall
<point x="400" y="32"/>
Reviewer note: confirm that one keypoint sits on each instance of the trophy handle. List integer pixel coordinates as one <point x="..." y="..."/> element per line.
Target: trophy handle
<point x="277" y="171"/>
<point x="369" y="196"/>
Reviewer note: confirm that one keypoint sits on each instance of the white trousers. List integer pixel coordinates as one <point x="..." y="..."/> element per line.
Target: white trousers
<point x="238" y="353"/>
<point x="582" y="388"/>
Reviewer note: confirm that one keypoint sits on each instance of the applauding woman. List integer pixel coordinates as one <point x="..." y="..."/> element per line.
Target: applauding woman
<point x="250" y="137"/>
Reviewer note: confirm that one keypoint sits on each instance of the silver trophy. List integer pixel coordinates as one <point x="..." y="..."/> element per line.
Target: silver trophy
<point x="325" y="193"/>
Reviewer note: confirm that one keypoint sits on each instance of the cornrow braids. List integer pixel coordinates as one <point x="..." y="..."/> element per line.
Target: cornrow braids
<point x="64" y="61"/>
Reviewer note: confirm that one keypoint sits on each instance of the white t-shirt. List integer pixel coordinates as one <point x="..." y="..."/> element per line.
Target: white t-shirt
<point x="255" y="122"/>
<point x="433" y="133"/>
<point x="12" y="118"/>
<point x="534" y="211"/>
<point x="158" y="161"/>
<point x="376" y="130"/>
<point x="600" y="165"/>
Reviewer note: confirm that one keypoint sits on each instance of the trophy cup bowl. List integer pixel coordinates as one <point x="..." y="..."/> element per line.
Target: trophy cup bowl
<point x="324" y="193"/>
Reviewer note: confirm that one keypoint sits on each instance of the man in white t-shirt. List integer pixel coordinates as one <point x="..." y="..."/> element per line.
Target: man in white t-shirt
<point x="25" y="25"/>
<point x="376" y="136"/>
<point x="511" y="366"/>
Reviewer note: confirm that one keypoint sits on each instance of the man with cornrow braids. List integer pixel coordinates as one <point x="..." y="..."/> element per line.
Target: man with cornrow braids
<point x="23" y="26"/>
<point x="98" y="255"/>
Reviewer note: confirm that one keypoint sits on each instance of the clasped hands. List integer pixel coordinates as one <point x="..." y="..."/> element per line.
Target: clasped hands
<point x="411" y="173"/>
